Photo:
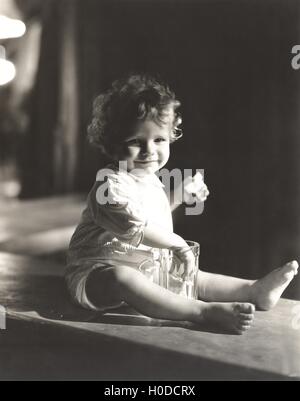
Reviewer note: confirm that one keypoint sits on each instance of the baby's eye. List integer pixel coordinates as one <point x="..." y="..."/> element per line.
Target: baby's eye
<point x="132" y="142"/>
<point x="160" y="139"/>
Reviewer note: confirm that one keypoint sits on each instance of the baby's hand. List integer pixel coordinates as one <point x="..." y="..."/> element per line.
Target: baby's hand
<point x="195" y="187"/>
<point x="185" y="257"/>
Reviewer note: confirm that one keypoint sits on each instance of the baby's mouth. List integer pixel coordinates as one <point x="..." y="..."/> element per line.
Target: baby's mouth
<point x="146" y="161"/>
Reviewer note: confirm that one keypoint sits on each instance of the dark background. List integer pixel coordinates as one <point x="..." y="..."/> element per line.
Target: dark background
<point x="229" y="63"/>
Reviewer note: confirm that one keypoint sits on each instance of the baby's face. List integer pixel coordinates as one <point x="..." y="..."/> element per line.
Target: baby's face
<point x="148" y="148"/>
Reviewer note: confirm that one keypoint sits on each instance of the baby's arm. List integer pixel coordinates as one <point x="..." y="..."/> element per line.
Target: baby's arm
<point x="157" y="237"/>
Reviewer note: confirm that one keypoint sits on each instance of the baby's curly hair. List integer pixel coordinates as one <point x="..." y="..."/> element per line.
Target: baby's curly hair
<point x="129" y="100"/>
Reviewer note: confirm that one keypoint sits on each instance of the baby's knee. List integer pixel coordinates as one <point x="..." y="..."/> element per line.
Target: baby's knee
<point x="122" y="274"/>
<point x="105" y="279"/>
<point x="103" y="287"/>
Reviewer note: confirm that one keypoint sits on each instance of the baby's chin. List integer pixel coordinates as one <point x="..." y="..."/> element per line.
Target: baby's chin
<point x="142" y="170"/>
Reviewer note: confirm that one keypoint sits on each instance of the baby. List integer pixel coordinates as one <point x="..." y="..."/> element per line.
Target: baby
<point x="128" y="218"/>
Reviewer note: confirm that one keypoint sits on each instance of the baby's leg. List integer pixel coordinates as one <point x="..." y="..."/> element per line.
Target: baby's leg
<point x="129" y="285"/>
<point x="263" y="293"/>
<point x="218" y="288"/>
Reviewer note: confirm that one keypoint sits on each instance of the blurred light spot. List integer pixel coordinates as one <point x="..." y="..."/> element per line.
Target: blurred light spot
<point x="7" y="69"/>
<point x="11" y="28"/>
<point x="10" y="189"/>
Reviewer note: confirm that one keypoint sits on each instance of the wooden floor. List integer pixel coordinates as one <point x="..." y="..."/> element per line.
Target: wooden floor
<point x="39" y="226"/>
<point x="47" y="337"/>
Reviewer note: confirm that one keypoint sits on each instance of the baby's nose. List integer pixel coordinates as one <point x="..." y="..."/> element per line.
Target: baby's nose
<point x="147" y="148"/>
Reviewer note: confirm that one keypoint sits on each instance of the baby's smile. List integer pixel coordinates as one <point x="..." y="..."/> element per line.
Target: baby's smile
<point x="146" y="161"/>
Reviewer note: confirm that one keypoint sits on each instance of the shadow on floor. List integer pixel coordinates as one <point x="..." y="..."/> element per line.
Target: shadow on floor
<point x="49" y="298"/>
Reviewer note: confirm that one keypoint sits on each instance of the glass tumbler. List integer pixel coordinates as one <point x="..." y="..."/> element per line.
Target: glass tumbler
<point x="164" y="270"/>
<point x="167" y="272"/>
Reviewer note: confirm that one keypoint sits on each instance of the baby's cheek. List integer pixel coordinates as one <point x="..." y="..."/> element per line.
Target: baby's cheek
<point x="166" y="150"/>
<point x="129" y="153"/>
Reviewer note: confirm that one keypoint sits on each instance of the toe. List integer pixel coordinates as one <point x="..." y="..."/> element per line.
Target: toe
<point x="241" y="329"/>
<point x="245" y="327"/>
<point x="247" y="316"/>
<point x="244" y="308"/>
<point x="294" y="264"/>
<point x="245" y="321"/>
<point x="290" y="270"/>
<point x="248" y="309"/>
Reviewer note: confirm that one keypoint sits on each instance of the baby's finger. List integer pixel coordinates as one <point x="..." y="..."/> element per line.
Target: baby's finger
<point x="172" y="268"/>
<point x="175" y="264"/>
<point x="184" y="275"/>
<point x="202" y="195"/>
<point x="188" y="270"/>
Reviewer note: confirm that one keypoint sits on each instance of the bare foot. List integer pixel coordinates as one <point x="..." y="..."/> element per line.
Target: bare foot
<point x="236" y="317"/>
<point x="266" y="291"/>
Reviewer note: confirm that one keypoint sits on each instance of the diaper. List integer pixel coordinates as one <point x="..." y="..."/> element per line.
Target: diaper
<point x="113" y="254"/>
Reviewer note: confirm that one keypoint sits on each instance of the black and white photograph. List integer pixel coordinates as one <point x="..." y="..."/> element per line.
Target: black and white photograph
<point x="149" y="193"/>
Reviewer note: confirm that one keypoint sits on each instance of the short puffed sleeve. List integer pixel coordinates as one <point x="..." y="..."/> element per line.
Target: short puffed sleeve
<point x="115" y="205"/>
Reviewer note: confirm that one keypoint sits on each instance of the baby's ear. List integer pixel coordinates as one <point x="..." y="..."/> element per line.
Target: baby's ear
<point x="178" y="120"/>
